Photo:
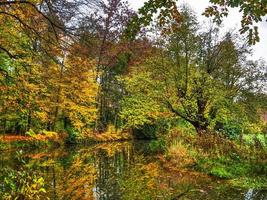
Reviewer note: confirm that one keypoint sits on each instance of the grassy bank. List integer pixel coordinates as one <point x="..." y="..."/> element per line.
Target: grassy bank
<point x="241" y="164"/>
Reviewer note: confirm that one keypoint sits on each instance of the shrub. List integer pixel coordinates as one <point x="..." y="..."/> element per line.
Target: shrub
<point x="158" y="146"/>
<point x="72" y="135"/>
<point x="31" y="133"/>
<point x="232" y="129"/>
<point x="220" y="172"/>
<point x="147" y="131"/>
<point x="22" y="183"/>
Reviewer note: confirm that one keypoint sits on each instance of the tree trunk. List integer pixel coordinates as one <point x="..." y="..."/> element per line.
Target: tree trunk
<point x="201" y="129"/>
<point x="62" y="66"/>
<point x="29" y="120"/>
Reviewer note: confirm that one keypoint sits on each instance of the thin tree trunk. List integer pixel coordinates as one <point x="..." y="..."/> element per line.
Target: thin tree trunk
<point x="4" y="124"/>
<point x="29" y="120"/>
<point x="58" y="96"/>
<point x="201" y="129"/>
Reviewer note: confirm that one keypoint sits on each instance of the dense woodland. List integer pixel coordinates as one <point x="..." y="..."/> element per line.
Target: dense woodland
<point x="81" y="66"/>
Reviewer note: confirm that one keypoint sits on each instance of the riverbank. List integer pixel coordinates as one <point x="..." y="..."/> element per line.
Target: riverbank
<point x="16" y="142"/>
<point x="240" y="164"/>
<point x="52" y="139"/>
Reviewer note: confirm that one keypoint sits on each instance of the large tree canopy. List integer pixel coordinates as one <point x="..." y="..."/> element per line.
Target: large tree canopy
<point x="197" y="76"/>
<point x="252" y="11"/>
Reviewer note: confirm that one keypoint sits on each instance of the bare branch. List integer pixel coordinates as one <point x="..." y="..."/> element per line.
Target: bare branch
<point x="7" y="52"/>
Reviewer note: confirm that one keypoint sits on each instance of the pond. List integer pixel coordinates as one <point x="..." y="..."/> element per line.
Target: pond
<point x="112" y="171"/>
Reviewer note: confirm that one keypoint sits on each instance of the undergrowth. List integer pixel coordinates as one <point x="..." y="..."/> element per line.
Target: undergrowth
<point x="243" y="165"/>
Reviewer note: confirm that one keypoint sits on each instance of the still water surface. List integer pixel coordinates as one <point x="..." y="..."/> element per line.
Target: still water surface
<point x="114" y="171"/>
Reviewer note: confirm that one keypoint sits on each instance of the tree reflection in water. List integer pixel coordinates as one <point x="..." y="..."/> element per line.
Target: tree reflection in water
<point x="112" y="171"/>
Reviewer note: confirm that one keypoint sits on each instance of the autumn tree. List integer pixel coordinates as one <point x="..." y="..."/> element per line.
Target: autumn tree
<point x="102" y="37"/>
<point x="36" y="72"/>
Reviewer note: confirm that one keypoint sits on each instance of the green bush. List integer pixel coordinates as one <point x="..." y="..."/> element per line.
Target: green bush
<point x="230" y="129"/>
<point x="146" y="132"/>
<point x="72" y="135"/>
<point x="152" y="131"/>
<point x="158" y="146"/>
<point x="22" y="183"/>
<point x="220" y="171"/>
<point x="30" y="133"/>
<point x="259" y="182"/>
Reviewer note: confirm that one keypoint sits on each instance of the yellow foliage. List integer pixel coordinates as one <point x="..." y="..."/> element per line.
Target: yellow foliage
<point x="180" y="154"/>
<point x="110" y="135"/>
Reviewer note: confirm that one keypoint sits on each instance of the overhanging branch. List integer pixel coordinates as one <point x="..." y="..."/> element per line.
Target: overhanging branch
<point x="171" y="108"/>
<point x="7" y="52"/>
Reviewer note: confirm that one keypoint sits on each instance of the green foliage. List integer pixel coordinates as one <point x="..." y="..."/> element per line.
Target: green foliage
<point x="225" y="167"/>
<point x="226" y="160"/>
<point x="220" y="172"/>
<point x="167" y="10"/>
<point x="139" y="108"/>
<point x="251" y="139"/>
<point x="157" y="130"/>
<point x="146" y="131"/>
<point x="30" y="133"/>
<point x="196" y="80"/>
<point x="231" y="129"/>
<point x="232" y="163"/>
<point x="250" y="182"/>
<point x="72" y="135"/>
<point x="158" y="146"/>
<point x="253" y="12"/>
<point x="21" y="184"/>
<point x="184" y="127"/>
